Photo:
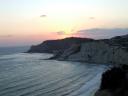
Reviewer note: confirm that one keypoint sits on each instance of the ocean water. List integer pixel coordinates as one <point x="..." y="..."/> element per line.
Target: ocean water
<point x="12" y="50"/>
<point x="23" y="74"/>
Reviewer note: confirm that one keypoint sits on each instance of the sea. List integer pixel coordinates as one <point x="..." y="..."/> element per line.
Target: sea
<point x="25" y="74"/>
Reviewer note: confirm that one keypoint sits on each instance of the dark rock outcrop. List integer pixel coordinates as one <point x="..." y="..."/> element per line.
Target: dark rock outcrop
<point x="57" y="46"/>
<point x="114" y="82"/>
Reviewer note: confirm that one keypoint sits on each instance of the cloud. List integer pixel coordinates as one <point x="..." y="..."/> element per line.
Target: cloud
<point x="61" y="33"/>
<point x="5" y="36"/>
<point x="43" y="16"/>
<point x="91" y="18"/>
<point x="100" y="33"/>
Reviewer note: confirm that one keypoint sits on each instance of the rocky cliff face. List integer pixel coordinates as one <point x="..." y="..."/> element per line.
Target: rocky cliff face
<point x="96" y="52"/>
<point x="109" y="51"/>
<point x="57" y="46"/>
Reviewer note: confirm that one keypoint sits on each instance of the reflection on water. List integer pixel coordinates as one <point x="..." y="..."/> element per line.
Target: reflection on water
<point x="28" y="75"/>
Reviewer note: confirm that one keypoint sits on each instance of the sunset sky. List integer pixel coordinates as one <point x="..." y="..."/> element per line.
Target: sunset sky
<point x="26" y="22"/>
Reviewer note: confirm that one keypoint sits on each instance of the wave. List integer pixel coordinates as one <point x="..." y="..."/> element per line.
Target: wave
<point x="27" y="75"/>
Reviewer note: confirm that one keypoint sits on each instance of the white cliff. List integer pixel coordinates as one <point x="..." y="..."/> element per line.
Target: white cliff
<point x="96" y="52"/>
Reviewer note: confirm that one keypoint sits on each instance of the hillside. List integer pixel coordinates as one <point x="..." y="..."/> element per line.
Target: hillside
<point x="51" y="46"/>
<point x="107" y="51"/>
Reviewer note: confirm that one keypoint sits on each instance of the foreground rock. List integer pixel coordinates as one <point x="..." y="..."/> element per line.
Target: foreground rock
<point x="114" y="82"/>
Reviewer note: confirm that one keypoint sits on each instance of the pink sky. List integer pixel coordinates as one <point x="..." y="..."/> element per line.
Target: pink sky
<point x="26" y="22"/>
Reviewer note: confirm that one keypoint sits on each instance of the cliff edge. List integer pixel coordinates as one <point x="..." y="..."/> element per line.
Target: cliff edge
<point x="105" y="51"/>
<point x="96" y="52"/>
<point x="55" y="46"/>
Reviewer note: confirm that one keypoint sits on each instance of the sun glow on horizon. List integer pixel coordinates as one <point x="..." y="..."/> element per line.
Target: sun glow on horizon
<point x="37" y="20"/>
